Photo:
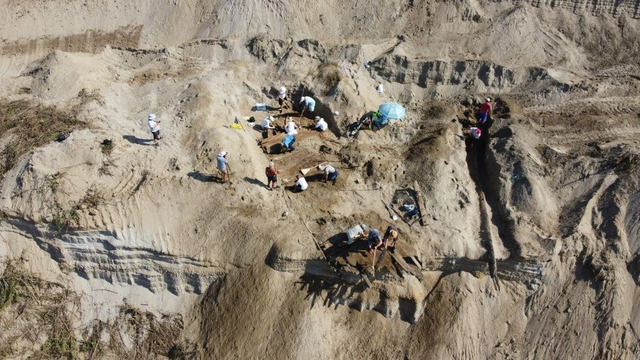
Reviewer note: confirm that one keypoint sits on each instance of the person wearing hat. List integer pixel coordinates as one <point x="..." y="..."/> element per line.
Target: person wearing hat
<point x="309" y="104"/>
<point x="272" y="175"/>
<point x="223" y="166"/>
<point x="291" y="128"/>
<point x="475" y="132"/>
<point x="320" y="124"/>
<point x="486" y="110"/>
<point x="266" y="123"/>
<point x="474" y="135"/>
<point x="154" y="126"/>
<point x="355" y="233"/>
<point x="330" y="173"/>
<point x="282" y="97"/>
<point x="391" y="238"/>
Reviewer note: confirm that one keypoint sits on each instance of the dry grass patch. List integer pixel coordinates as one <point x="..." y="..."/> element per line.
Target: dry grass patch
<point x="30" y="125"/>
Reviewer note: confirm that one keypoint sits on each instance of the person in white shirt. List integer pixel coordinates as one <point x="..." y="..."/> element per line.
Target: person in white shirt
<point x="473" y="137"/>
<point x="266" y="123"/>
<point x="301" y="184"/>
<point x="330" y="173"/>
<point x="282" y="97"/>
<point x="356" y="232"/>
<point x="154" y="126"/>
<point x="321" y="125"/>
<point x="475" y="132"/>
<point x="291" y="128"/>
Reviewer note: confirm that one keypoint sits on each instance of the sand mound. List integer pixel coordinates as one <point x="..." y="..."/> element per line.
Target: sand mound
<point x="528" y="246"/>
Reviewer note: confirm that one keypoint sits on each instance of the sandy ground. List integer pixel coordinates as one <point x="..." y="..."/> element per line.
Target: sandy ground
<point x="530" y="246"/>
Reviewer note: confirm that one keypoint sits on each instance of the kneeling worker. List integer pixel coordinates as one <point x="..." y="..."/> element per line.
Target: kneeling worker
<point x="287" y="143"/>
<point x="301" y="184"/>
<point x="321" y="125"/>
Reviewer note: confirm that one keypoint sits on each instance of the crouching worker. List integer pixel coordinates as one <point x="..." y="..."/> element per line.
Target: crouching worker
<point x="355" y="233"/>
<point x="301" y="184"/>
<point x="320" y="124"/>
<point x="391" y="238"/>
<point x="287" y="143"/>
<point x="473" y="137"/>
<point x="330" y="173"/>
<point x="374" y="240"/>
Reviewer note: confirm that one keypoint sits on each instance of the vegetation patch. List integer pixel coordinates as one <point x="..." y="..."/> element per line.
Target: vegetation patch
<point x="330" y="75"/>
<point x="37" y="313"/>
<point x="31" y="124"/>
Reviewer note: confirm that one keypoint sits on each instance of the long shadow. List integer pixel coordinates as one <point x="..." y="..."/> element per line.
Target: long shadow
<point x="203" y="177"/>
<point x="136" y="140"/>
<point x="254" y="181"/>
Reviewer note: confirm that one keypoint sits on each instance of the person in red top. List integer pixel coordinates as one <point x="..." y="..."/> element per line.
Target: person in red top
<point x="272" y="176"/>
<point x="486" y="110"/>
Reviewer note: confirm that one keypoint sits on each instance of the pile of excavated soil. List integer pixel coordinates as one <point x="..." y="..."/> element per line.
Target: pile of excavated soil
<point x="528" y="245"/>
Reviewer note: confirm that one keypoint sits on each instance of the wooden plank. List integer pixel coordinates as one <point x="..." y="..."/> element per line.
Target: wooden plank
<point x="415" y="261"/>
<point x="422" y="206"/>
<point x="365" y="276"/>
<point x="400" y="215"/>
<point x="406" y="267"/>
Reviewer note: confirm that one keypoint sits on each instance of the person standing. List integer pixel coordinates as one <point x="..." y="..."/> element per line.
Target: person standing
<point x="391" y="238"/>
<point x="486" y="110"/>
<point x="282" y="97"/>
<point x="223" y="166"/>
<point x="154" y="126"/>
<point x="272" y="175"/>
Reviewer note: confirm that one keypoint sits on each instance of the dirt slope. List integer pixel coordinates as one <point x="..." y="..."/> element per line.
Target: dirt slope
<point x="530" y="246"/>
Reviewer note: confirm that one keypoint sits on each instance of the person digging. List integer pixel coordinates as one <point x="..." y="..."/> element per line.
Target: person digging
<point x="330" y="173"/>
<point x="391" y="238"/>
<point x="374" y="241"/>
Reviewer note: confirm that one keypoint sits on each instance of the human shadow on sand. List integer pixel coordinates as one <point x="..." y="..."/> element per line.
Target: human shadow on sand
<point x="203" y="177"/>
<point x="136" y="140"/>
<point x="254" y="181"/>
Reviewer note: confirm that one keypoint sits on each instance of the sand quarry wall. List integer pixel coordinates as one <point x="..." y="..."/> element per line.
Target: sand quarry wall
<point x="240" y="264"/>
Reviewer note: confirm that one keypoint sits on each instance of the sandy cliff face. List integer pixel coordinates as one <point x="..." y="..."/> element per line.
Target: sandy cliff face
<point x="530" y="243"/>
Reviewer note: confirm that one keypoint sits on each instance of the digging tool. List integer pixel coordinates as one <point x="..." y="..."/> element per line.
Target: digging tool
<point x="305" y="171"/>
<point x="390" y="210"/>
<point x="373" y="262"/>
<point x="421" y="204"/>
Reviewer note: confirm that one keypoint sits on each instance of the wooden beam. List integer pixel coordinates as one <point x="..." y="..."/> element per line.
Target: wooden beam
<point x="422" y="206"/>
